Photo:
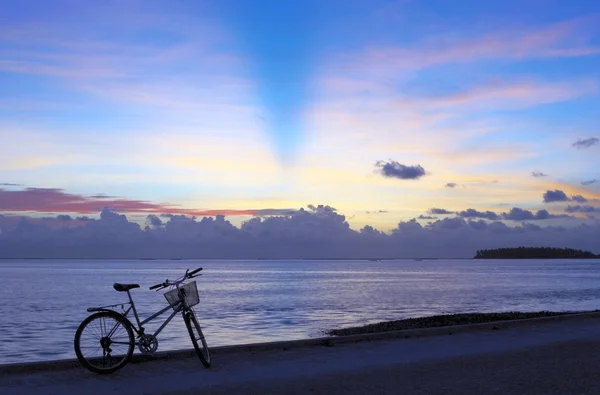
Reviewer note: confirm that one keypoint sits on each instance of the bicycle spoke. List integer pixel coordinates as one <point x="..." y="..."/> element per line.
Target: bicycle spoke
<point x="94" y="330"/>
<point x="96" y="349"/>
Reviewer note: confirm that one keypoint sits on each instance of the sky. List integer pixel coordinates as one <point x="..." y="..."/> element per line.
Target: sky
<point x="373" y="115"/>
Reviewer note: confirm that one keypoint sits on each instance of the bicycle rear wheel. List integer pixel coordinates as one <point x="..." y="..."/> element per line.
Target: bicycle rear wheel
<point x="104" y="342"/>
<point x="191" y="322"/>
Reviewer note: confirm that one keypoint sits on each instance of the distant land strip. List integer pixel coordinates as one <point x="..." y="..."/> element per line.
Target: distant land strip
<point x="534" y="253"/>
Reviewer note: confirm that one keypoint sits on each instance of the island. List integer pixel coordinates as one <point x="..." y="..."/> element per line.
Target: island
<point x="534" y="253"/>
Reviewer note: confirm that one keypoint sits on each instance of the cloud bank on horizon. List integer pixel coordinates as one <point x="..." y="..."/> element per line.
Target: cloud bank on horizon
<point x="479" y="115"/>
<point x="317" y="232"/>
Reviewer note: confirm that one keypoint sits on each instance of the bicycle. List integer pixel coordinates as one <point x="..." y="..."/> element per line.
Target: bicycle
<point x="112" y="333"/>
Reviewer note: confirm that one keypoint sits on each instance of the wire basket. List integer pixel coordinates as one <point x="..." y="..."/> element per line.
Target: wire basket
<point x="189" y="291"/>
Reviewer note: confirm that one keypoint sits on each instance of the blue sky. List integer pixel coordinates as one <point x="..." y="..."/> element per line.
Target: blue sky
<point x="238" y="105"/>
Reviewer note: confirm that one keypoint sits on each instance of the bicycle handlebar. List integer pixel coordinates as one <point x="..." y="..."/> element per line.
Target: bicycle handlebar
<point x="187" y="275"/>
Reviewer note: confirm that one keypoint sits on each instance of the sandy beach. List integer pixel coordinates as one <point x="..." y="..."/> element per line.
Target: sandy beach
<point x="550" y="357"/>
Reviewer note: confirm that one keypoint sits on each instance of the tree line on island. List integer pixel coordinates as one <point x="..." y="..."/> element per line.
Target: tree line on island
<point x="534" y="253"/>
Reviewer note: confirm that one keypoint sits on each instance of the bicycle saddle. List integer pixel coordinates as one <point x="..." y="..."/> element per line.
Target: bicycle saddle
<point x="124" y="287"/>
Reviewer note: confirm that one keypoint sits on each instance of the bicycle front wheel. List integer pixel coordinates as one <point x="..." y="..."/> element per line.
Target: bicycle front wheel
<point x="193" y="327"/>
<point x="104" y="342"/>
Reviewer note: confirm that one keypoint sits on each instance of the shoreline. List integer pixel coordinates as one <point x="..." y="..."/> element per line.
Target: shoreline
<point x="328" y="341"/>
<point x="547" y="356"/>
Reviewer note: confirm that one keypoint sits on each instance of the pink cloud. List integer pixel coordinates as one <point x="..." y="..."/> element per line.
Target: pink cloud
<point x="564" y="39"/>
<point x="69" y="70"/>
<point x="511" y="94"/>
<point x="209" y="78"/>
<point x="50" y="200"/>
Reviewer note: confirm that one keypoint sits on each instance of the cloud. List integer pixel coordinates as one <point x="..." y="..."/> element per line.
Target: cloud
<point x="589" y="182"/>
<point x="426" y="217"/>
<point x="451" y="185"/>
<point x="472" y="213"/>
<point x="129" y="70"/>
<point x="519" y="214"/>
<point x="273" y="211"/>
<point x="49" y="223"/>
<point x="555" y="196"/>
<point x="443" y="233"/>
<point x="102" y="196"/>
<point x="571" y="38"/>
<point x="376" y="212"/>
<point x="538" y="174"/>
<point x="52" y="200"/>
<point x="317" y="232"/>
<point x="515" y="214"/>
<point x="393" y="169"/>
<point x="8" y="184"/>
<point x="321" y="209"/>
<point x="508" y="95"/>
<point x="579" y="199"/>
<point x="154" y="220"/>
<point x="559" y="196"/>
<point x="374" y="90"/>
<point x="582" y="209"/>
<point x="439" y="211"/>
<point x="586" y="143"/>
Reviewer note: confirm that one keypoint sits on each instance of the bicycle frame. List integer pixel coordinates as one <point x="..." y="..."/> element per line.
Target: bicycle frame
<point x="177" y="307"/>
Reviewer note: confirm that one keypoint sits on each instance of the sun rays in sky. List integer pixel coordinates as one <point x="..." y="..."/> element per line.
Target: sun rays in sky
<point x="381" y="109"/>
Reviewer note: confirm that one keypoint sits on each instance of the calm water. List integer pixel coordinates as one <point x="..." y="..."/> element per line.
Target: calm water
<point x="43" y="302"/>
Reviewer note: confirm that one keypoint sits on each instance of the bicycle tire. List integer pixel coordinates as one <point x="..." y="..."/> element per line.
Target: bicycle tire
<point x="193" y="327"/>
<point x="100" y="336"/>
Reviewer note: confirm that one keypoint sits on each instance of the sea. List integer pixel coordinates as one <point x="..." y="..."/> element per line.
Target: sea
<point x="250" y="301"/>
